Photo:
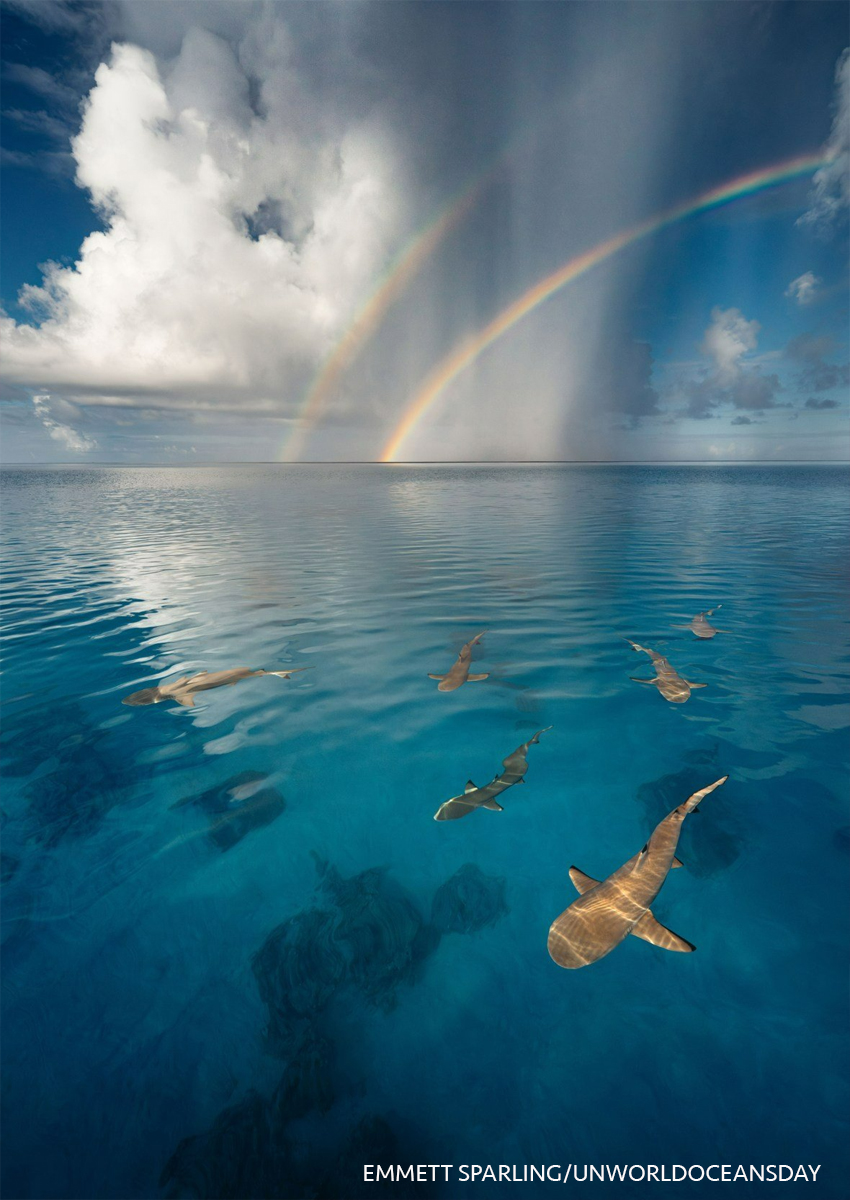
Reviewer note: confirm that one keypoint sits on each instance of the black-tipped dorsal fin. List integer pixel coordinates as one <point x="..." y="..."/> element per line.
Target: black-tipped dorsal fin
<point x="470" y="787"/>
<point x="582" y="883"/>
<point x="653" y="931"/>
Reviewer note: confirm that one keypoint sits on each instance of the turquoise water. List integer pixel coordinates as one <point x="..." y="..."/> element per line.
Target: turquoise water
<point x="241" y="959"/>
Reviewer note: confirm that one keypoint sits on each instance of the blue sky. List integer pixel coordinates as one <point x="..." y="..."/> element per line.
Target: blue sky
<point x="219" y="187"/>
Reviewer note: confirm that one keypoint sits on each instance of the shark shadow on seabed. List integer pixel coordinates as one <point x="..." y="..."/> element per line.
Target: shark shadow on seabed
<point x="236" y="807"/>
<point x="714" y="845"/>
<point x="469" y="901"/>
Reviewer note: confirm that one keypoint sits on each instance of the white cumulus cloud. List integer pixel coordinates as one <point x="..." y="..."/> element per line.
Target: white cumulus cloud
<point x="70" y="438"/>
<point x="728" y="338"/>
<point x="831" y="193"/>
<point x="243" y="226"/>
<point x="804" y="288"/>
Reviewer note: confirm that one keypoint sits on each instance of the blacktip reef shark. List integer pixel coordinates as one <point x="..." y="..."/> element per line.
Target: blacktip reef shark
<point x="459" y="674"/>
<point x="183" y="690"/>
<point x="699" y="626"/>
<point x="670" y="683"/>
<point x="516" y="765"/>
<point x="606" y="913"/>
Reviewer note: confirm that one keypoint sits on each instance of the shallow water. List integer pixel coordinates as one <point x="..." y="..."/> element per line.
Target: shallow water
<point x="138" y="1009"/>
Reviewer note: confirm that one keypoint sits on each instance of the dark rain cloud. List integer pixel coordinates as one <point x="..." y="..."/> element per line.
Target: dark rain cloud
<point x="750" y="391"/>
<point x="816" y="374"/>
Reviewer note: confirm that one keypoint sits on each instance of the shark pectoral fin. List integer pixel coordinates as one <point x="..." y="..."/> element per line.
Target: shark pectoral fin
<point x="680" y="626"/>
<point x="653" y="931"/>
<point x="470" y="787"/>
<point x="491" y="804"/>
<point x="677" y="862"/>
<point x="695" y="685"/>
<point x="477" y="678"/>
<point x="583" y="883"/>
<point x="436" y="676"/>
<point x="651" y="682"/>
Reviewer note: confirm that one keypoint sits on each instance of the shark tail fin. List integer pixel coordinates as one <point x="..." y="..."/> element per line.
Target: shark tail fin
<point x="692" y="801"/>
<point x="532" y="741"/>
<point x="657" y="934"/>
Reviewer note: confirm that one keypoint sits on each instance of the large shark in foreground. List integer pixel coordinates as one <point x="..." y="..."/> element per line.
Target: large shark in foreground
<point x="667" y="679"/>
<point x="606" y="913"/>
<point x="699" y="626"/>
<point x="516" y="765"/>
<point x="459" y="674"/>
<point x="183" y="690"/>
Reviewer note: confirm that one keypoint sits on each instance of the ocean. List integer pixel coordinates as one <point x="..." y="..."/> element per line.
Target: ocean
<point x="241" y="959"/>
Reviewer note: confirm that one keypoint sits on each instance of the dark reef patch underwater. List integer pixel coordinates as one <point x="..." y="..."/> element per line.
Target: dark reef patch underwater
<point x="241" y="959"/>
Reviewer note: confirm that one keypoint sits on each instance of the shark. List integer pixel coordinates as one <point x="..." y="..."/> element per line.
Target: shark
<point x="667" y="679"/>
<point x="459" y="674"/>
<point x="516" y="765"/>
<point x="184" y="689"/>
<point x="235" y="808"/>
<point x="606" y="913"/>
<point x="699" y="626"/>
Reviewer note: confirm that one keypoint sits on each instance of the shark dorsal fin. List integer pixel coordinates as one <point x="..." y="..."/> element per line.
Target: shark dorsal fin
<point x="582" y="883"/>
<point x="470" y="787"/>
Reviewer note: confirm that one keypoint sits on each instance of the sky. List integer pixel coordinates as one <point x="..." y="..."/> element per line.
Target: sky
<point x="239" y="231"/>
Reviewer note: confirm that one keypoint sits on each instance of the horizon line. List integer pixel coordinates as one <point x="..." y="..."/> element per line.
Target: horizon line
<point x="452" y="462"/>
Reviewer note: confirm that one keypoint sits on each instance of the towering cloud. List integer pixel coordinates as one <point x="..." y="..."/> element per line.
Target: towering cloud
<point x="243" y="223"/>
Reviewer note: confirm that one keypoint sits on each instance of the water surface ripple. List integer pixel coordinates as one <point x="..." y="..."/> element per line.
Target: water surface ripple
<point x="238" y="923"/>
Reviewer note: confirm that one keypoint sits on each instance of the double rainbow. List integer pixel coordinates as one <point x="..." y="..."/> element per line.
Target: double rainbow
<point x="468" y="351"/>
